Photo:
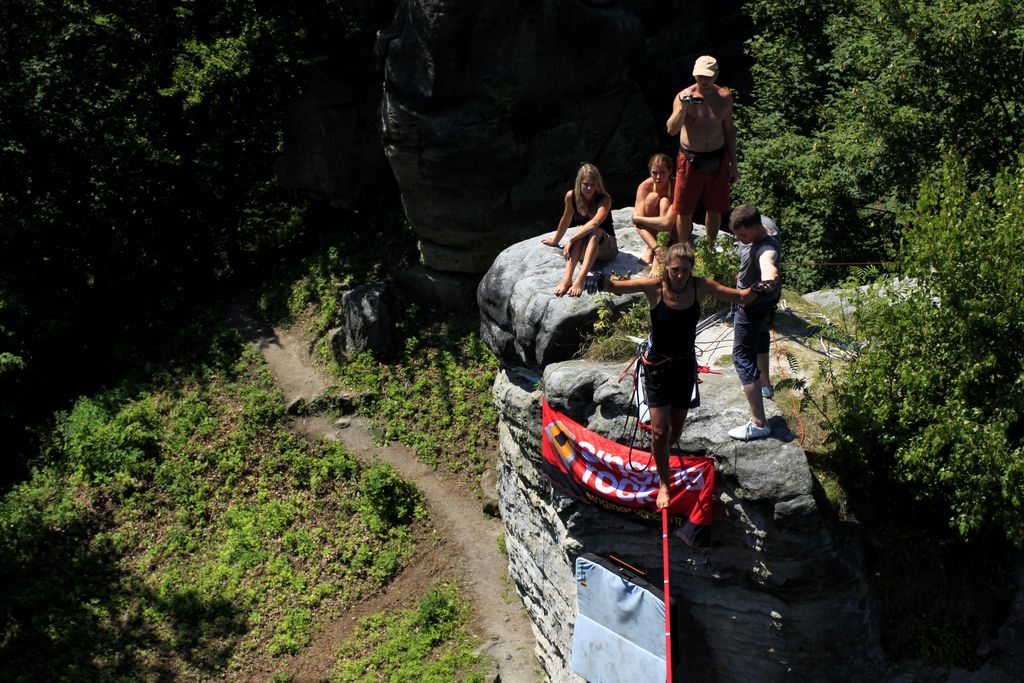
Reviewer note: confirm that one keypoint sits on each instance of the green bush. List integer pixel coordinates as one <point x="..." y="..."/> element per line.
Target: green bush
<point x="388" y="498"/>
<point x="719" y="263"/>
<point x="936" y="399"/>
<point x="435" y="396"/>
<point x="108" y="436"/>
<point x="371" y="249"/>
<point x="427" y="643"/>
<point x="853" y="102"/>
<point x="171" y="533"/>
<point x="293" y="632"/>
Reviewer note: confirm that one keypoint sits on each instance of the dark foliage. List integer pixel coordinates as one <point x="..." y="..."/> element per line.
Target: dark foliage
<point x="137" y="143"/>
<point x="855" y="103"/>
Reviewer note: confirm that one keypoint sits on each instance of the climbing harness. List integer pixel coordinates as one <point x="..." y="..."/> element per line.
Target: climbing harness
<point x="639" y="413"/>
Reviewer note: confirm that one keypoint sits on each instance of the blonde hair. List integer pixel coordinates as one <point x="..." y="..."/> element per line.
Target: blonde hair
<point x="588" y="171"/>
<point x="683" y="250"/>
<point x="660" y="158"/>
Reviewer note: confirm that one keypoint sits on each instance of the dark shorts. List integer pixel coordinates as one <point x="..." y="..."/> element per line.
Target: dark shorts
<point x="692" y="185"/>
<point x="751" y="337"/>
<point x="670" y="383"/>
<point x="609" y="247"/>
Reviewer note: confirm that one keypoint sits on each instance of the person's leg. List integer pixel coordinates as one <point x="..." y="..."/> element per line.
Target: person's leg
<point x="762" y="344"/>
<point x="658" y="253"/>
<point x="764" y="347"/>
<point x="684" y="227"/>
<point x="685" y="196"/>
<point x="716" y="199"/>
<point x="712" y="222"/>
<point x="744" y="356"/>
<point x="678" y="422"/>
<point x="651" y="203"/>
<point x="589" y="259"/>
<point x="765" y="381"/>
<point x="655" y="206"/>
<point x="570" y="266"/>
<point x="650" y="238"/>
<point x="661" y="426"/>
<point x="756" y="403"/>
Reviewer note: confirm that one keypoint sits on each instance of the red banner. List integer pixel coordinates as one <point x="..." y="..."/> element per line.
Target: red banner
<point x="594" y="469"/>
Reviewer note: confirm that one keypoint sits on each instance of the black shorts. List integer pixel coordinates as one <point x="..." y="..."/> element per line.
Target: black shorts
<point x="670" y="382"/>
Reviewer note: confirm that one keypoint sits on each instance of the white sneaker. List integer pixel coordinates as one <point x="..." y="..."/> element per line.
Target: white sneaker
<point x="750" y="431"/>
<point x="767" y="392"/>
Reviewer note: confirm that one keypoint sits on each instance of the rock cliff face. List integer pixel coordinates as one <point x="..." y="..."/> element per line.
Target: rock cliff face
<point x="489" y="108"/>
<point x="776" y="597"/>
<point x="332" y="147"/>
<point x="779" y="595"/>
<point x="522" y="320"/>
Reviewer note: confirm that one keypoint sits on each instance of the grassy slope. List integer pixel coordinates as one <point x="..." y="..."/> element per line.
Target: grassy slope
<point x="431" y="391"/>
<point x="177" y="530"/>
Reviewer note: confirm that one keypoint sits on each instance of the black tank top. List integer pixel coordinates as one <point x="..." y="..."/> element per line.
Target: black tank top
<point x="579" y="219"/>
<point x="674" y="331"/>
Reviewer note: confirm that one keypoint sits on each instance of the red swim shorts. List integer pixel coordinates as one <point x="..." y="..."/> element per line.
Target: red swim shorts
<point x="693" y="185"/>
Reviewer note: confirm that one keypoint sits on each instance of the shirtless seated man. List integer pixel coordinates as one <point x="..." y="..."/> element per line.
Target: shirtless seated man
<point x="706" y="166"/>
<point x="652" y="211"/>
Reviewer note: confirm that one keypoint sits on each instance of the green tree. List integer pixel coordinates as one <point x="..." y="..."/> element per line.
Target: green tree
<point x="137" y="145"/>
<point x="935" y="403"/>
<point x="853" y="103"/>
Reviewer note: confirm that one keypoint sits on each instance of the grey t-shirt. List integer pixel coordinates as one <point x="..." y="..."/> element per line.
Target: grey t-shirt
<point x="750" y="266"/>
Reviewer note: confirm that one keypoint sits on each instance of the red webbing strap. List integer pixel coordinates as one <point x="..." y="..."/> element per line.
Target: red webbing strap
<point x="668" y="613"/>
<point x="626" y="369"/>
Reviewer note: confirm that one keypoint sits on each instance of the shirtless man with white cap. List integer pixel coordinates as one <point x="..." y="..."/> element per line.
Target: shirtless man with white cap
<point x="706" y="166"/>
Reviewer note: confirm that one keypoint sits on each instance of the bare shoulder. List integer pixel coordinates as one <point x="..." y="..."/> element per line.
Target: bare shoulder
<point x="725" y="93"/>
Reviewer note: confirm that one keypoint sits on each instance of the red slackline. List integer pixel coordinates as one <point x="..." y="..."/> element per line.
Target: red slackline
<point x="668" y="613"/>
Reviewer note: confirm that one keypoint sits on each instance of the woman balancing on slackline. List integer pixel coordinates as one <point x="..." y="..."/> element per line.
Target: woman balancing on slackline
<point x="671" y="364"/>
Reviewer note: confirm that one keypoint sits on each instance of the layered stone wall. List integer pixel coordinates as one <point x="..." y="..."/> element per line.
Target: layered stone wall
<point x="778" y="595"/>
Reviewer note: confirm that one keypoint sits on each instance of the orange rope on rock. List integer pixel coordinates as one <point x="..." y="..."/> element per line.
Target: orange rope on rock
<point x="713" y="344"/>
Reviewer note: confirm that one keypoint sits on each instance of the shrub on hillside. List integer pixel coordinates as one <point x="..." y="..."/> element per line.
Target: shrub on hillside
<point x="388" y="500"/>
<point x="108" y="436"/>
<point x="854" y="102"/>
<point x="935" y="403"/>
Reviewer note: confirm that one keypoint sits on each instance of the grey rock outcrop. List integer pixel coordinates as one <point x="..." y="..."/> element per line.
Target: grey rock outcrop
<point x="521" y="319"/>
<point x="489" y="107"/>
<point x="777" y="596"/>
<point x="438" y="289"/>
<point x="366" y="321"/>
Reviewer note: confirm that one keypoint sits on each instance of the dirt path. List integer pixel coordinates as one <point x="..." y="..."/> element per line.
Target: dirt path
<point x="466" y="543"/>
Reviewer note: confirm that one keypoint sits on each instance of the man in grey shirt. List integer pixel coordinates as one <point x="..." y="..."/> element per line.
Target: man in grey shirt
<point x="759" y="254"/>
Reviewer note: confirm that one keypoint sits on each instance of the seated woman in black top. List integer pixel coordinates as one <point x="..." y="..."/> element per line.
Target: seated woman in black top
<point x="587" y="208"/>
<point x="671" y="363"/>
